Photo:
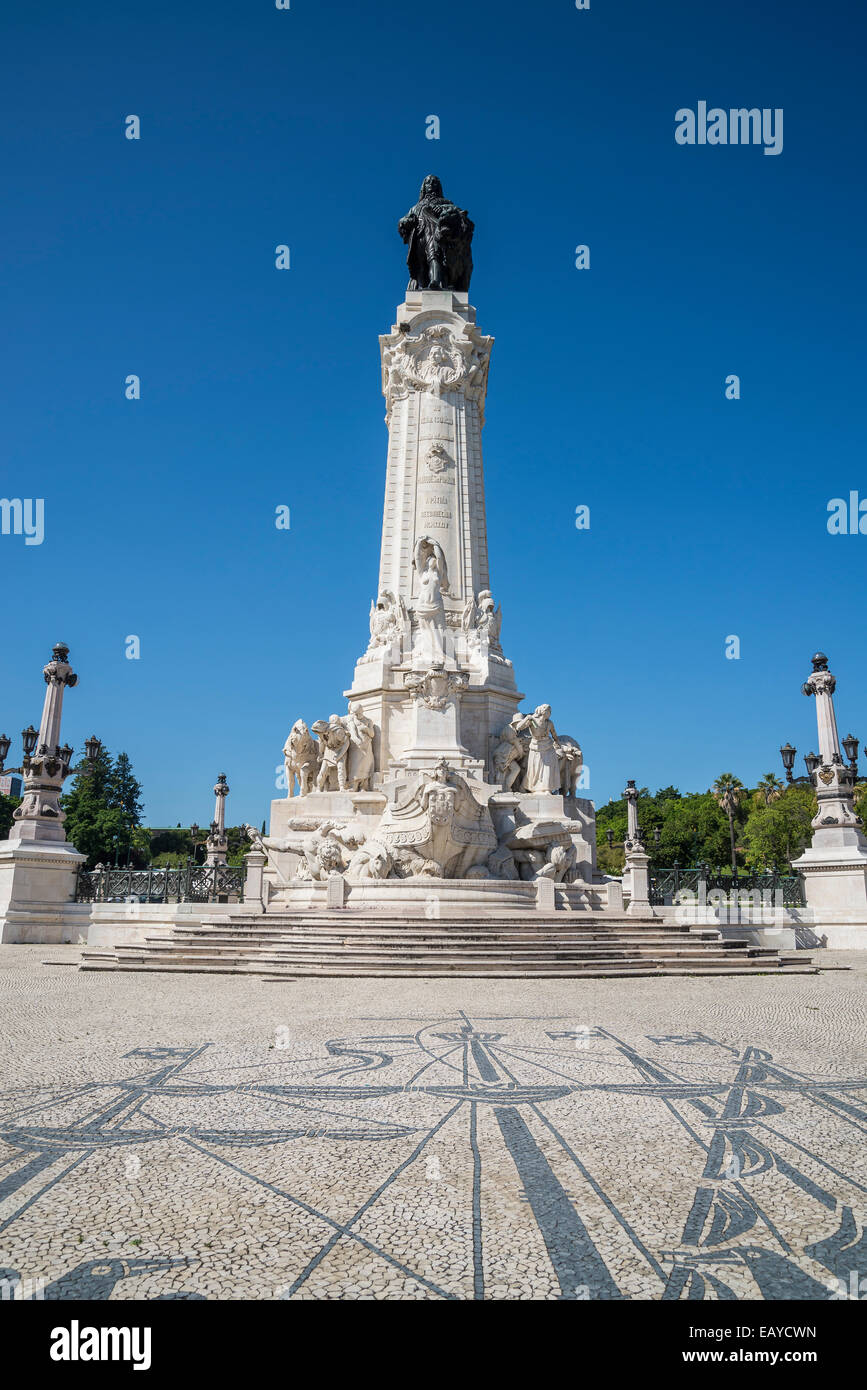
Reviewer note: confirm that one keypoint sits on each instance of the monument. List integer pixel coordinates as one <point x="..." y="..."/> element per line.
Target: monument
<point x="433" y="774"/>
<point x="834" y="865"/>
<point x="38" y="865"/>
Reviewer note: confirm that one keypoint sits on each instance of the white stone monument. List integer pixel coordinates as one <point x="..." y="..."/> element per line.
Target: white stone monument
<point x="433" y="689"/>
<point x="216" y="844"/>
<point x="38" y="866"/>
<point x="835" y="864"/>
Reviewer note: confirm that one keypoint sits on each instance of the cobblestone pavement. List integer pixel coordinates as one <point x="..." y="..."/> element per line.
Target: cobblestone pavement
<point x="227" y="1137"/>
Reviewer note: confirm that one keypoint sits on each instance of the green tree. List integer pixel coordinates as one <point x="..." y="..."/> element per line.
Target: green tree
<point x="7" y="806"/>
<point x="103" y="809"/>
<point x="774" y="835"/>
<point x="728" y="791"/>
<point x="769" y="789"/>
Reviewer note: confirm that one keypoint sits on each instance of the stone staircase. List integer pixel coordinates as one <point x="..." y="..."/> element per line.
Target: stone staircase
<point x="284" y="946"/>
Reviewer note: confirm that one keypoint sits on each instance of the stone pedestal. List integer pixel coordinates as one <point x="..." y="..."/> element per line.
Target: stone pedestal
<point x="637" y="863"/>
<point x="37" y="886"/>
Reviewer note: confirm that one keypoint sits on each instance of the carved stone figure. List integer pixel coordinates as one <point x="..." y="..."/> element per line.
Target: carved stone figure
<point x="300" y="759"/>
<point x="430" y="611"/>
<point x="334" y="745"/>
<point x="387" y="617"/>
<point x="440" y="822"/>
<point x="509" y="754"/>
<point x="372" y="860"/>
<point x="571" y="762"/>
<point x="543" y="760"/>
<point x="481" y="621"/>
<point x="255" y="838"/>
<point x="427" y="549"/>
<point x="361" y="731"/>
<point x="328" y="850"/>
<point x="439" y="236"/>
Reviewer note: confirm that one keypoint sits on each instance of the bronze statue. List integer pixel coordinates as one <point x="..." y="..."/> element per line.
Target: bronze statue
<point x="439" y="236"/>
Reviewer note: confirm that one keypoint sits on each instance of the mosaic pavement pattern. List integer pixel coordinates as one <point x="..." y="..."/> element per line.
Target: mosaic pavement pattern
<point x="477" y="1147"/>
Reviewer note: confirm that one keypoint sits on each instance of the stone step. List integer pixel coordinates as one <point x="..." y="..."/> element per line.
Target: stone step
<point x="379" y="960"/>
<point x="612" y="951"/>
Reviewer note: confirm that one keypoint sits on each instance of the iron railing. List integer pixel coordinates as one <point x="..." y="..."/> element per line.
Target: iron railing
<point x="186" y="883"/>
<point x="666" y="884"/>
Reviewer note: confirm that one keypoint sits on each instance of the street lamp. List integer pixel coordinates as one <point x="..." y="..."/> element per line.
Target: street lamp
<point x="609" y="835"/>
<point x="92" y="746"/>
<point x="812" y="760"/>
<point x="787" y="753"/>
<point x="5" y="745"/>
<point x="850" y="745"/>
<point x="194" y="830"/>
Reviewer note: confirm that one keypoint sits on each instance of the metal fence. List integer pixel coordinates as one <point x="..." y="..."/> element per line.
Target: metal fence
<point x="188" y="883"/>
<point x="666" y="884"/>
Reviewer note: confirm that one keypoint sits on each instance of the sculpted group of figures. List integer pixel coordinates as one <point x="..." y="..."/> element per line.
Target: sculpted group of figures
<point x="439" y="831"/>
<point x="339" y="757"/>
<point x="531" y="757"/>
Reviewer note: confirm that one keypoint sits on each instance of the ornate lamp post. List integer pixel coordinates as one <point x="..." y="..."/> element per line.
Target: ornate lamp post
<point x="787" y="753"/>
<point x="194" y="838"/>
<point x="217" y="843"/>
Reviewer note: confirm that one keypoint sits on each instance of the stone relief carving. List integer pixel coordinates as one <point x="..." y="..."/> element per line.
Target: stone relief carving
<point x="438" y="462"/>
<point x="441" y="822"/>
<point x="434" y="688"/>
<point x="435" y="361"/>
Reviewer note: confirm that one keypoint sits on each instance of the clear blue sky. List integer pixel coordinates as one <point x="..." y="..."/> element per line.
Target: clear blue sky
<point x="260" y="387"/>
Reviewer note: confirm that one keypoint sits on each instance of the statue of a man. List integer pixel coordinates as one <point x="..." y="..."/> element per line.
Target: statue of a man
<point x="335" y="743"/>
<point x="439" y="235"/>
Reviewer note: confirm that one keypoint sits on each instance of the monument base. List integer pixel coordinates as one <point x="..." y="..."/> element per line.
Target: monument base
<point x="37" y="887"/>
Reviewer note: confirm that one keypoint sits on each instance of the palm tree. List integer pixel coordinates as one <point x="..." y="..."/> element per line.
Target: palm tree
<point x="728" y="790"/>
<point x="770" y="788"/>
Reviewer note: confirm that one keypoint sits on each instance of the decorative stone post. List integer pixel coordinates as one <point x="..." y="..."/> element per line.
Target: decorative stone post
<point x="46" y="766"/>
<point x="637" y="860"/>
<point x="216" y="845"/>
<point x="37" y="864"/>
<point x="835" y="864"/>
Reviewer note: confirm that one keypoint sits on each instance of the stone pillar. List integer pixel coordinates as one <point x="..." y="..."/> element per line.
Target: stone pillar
<point x="38" y="866"/>
<point x="637" y="861"/>
<point x="254" y="899"/>
<point x="835" y="864"/>
<point x="216" y="845"/>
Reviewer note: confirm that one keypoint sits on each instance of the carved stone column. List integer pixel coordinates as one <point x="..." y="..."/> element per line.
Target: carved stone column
<point x="216" y="845"/>
<point x="39" y="817"/>
<point x="38" y="866"/>
<point x="637" y="861"/>
<point x="835" y="864"/>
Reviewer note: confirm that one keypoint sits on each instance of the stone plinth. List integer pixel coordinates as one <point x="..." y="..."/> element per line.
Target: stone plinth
<point x="37" y="885"/>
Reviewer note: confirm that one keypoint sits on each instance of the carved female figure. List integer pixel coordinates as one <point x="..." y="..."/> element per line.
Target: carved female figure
<point x="543" y="756"/>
